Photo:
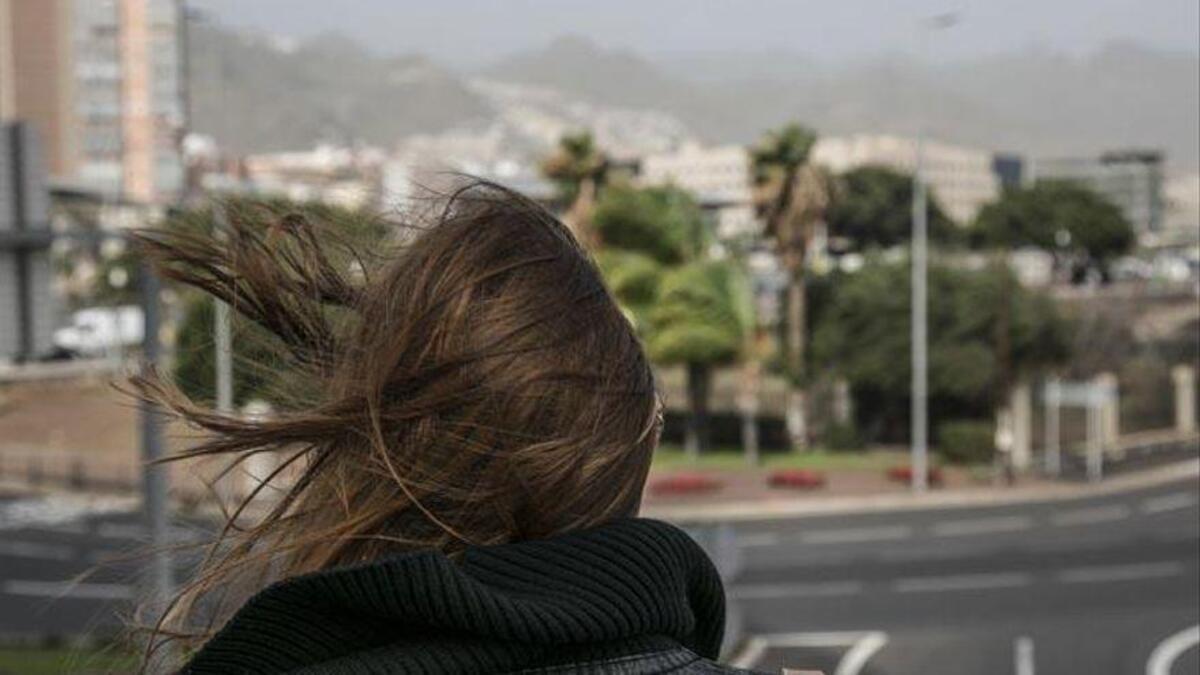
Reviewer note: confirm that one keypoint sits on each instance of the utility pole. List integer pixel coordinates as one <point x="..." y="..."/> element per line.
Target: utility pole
<point x="920" y="276"/>
<point x="154" y="474"/>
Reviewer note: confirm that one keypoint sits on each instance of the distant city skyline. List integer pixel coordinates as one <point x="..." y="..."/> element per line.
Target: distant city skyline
<point x="472" y="33"/>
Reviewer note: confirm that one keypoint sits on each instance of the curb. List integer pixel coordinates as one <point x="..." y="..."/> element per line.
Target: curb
<point x="780" y="510"/>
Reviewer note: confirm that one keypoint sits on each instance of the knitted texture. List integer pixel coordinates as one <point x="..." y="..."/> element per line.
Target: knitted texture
<point x="628" y="587"/>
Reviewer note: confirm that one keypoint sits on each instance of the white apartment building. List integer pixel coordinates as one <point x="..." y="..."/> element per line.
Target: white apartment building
<point x="719" y="177"/>
<point x="962" y="179"/>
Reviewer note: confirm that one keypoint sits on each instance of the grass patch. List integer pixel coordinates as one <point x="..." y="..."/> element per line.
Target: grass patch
<point x="64" y="660"/>
<point x="671" y="457"/>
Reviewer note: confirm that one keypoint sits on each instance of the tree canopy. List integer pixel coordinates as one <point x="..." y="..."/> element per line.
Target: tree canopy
<point x="1064" y="218"/>
<point x="873" y="208"/>
<point x="664" y="223"/>
<point x="863" y="333"/>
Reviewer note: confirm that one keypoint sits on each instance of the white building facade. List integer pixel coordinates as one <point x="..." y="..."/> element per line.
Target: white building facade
<point x="962" y="179"/>
<point x="719" y="177"/>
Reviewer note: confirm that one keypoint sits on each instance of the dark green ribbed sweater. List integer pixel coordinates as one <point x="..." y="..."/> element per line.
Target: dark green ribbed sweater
<point x="629" y="587"/>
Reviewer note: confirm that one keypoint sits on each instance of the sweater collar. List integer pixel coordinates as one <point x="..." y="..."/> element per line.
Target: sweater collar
<point x="624" y="581"/>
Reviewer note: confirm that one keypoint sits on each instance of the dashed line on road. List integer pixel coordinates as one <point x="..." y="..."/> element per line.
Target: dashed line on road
<point x="1091" y="516"/>
<point x="1023" y="656"/>
<point x="66" y="589"/>
<point x="28" y="549"/>
<point x="1154" y="570"/>
<point x="962" y="582"/>
<point x="1170" y="502"/>
<point x="959" y="528"/>
<point x="1170" y="649"/>
<point x="823" y="589"/>
<point x="758" y="539"/>
<point x="857" y="535"/>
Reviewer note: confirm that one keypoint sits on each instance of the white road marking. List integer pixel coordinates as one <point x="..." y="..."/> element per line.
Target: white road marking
<point x="1084" y="575"/>
<point x="29" y="549"/>
<point x="861" y="647"/>
<point x="1168" y="650"/>
<point x="855" y="659"/>
<point x="1089" y="516"/>
<point x="857" y="535"/>
<point x="1023" y="656"/>
<point x="820" y="589"/>
<point x="1171" y="502"/>
<point x="921" y="555"/>
<point x="751" y="654"/>
<point x="758" y="539"/>
<point x="962" y="582"/>
<point x="66" y="589"/>
<point x="960" y="528"/>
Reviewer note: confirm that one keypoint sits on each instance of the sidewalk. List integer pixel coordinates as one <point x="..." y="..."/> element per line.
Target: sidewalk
<point x="783" y="504"/>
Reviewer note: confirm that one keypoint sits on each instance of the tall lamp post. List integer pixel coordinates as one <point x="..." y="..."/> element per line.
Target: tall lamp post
<point x="920" y="275"/>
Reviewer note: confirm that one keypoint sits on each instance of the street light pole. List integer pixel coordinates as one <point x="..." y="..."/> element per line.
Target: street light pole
<point x="920" y="276"/>
<point x="920" y="355"/>
<point x="154" y="474"/>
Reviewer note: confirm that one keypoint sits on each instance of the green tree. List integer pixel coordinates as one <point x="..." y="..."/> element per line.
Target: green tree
<point x="691" y="310"/>
<point x="793" y="197"/>
<point x="873" y="208"/>
<point x="698" y="322"/>
<point x="863" y="333"/>
<point x="196" y="355"/>
<point x="1081" y="229"/>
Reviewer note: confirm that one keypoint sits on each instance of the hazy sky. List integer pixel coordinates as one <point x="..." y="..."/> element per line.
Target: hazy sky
<point x="471" y="32"/>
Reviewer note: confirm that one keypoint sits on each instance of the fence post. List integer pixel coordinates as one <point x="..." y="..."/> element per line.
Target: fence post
<point x="1053" y="435"/>
<point x="1185" y="398"/>
<point x="1110" y="411"/>
<point x="1021" y="405"/>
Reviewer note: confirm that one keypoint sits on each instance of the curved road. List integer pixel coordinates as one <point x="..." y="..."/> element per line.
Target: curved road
<point x="1106" y="585"/>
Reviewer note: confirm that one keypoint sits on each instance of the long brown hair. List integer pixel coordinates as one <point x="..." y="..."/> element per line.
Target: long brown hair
<point x="467" y="381"/>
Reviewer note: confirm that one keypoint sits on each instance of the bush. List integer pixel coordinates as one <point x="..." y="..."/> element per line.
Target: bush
<point x="904" y="474"/>
<point x="685" y="484"/>
<point x="966" y="441"/>
<point x="796" y="479"/>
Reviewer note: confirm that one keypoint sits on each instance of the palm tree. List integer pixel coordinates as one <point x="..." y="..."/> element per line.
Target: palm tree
<point x="578" y="167"/>
<point x="691" y="310"/>
<point x="696" y="323"/>
<point x="793" y="196"/>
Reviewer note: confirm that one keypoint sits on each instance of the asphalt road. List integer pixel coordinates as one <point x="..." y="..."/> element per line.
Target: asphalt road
<point x="1091" y="586"/>
<point x="1094" y="586"/>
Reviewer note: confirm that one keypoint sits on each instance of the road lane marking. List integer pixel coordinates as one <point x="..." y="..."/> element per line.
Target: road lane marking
<point x="857" y="535"/>
<point x="822" y="589"/>
<point x="66" y="589"/>
<point x="1171" y="502"/>
<point x="756" y="648"/>
<point x="962" y="582"/>
<point x="861" y="646"/>
<point x="1170" y="649"/>
<point x="1084" y="575"/>
<point x="758" y="539"/>
<point x="1023" y="656"/>
<point x="857" y="656"/>
<point x="1090" y="516"/>
<point x="922" y="555"/>
<point x="29" y="549"/>
<point x="961" y="528"/>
